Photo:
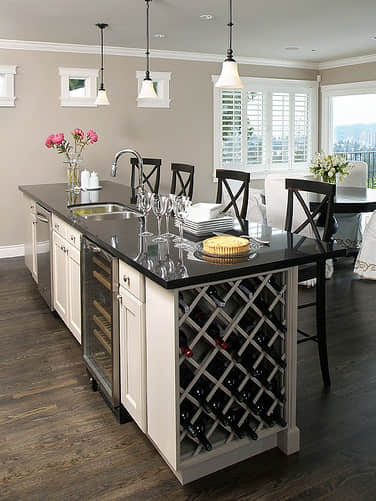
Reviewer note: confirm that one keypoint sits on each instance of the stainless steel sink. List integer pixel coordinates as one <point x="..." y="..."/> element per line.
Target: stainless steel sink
<point x="104" y="211"/>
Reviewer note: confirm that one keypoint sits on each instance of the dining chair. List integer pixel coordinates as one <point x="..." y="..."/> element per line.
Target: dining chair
<point x="240" y="197"/>
<point x="322" y="214"/>
<point x="152" y="177"/>
<point x="365" y="264"/>
<point x="350" y="231"/>
<point x="183" y="173"/>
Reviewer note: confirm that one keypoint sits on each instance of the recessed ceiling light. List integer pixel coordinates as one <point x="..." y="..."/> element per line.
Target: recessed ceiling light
<point x="313" y="50"/>
<point x="292" y="47"/>
<point x="160" y="35"/>
<point x="206" y="17"/>
<point x="373" y="37"/>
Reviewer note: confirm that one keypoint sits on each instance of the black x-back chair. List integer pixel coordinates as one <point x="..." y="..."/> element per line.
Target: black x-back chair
<point x="320" y="220"/>
<point x="224" y="176"/>
<point x="152" y="176"/>
<point x="183" y="173"/>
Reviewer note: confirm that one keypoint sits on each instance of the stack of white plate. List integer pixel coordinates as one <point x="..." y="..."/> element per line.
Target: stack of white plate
<point x="199" y="228"/>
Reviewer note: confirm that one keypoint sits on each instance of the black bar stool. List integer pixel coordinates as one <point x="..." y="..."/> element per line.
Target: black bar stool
<point x="183" y="173"/>
<point x="153" y="173"/>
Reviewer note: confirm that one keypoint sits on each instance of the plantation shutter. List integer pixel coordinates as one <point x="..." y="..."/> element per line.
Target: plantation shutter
<point x="280" y="127"/>
<point x="255" y="128"/>
<point x="231" y="127"/>
<point x="302" y="128"/>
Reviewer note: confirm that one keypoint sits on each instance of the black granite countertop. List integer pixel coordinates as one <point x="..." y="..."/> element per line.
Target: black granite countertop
<point x="164" y="263"/>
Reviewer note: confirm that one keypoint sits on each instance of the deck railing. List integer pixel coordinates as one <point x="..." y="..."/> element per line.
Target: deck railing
<point x="365" y="156"/>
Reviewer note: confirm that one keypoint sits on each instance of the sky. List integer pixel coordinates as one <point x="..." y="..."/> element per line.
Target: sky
<point x="348" y="110"/>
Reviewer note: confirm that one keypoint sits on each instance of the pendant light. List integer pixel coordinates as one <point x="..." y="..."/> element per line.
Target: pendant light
<point x="230" y="74"/>
<point x="102" y="99"/>
<point x="147" y="90"/>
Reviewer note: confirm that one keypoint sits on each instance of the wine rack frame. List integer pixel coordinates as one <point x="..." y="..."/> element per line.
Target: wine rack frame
<point x="186" y="456"/>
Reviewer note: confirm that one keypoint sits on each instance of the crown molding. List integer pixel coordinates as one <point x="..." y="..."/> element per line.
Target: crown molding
<point x="159" y="54"/>
<point x="347" y="61"/>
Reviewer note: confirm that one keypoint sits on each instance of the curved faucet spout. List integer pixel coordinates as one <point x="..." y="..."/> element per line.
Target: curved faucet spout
<point x="140" y="165"/>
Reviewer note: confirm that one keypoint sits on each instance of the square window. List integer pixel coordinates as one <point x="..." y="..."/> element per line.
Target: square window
<point x="7" y="97"/>
<point x="78" y="86"/>
<point x="161" y="84"/>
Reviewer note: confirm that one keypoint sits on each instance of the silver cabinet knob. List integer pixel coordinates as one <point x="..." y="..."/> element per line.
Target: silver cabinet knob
<point x="119" y="297"/>
<point x="126" y="280"/>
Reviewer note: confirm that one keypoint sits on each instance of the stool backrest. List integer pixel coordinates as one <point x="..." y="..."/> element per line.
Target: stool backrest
<point x="240" y="197"/>
<point x="152" y="177"/>
<point x="183" y="173"/>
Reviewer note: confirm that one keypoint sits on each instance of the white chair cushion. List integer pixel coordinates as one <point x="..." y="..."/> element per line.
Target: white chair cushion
<point x="358" y="177"/>
<point x="365" y="265"/>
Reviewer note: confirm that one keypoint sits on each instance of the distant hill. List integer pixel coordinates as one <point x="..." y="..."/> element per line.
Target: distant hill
<point x="356" y="131"/>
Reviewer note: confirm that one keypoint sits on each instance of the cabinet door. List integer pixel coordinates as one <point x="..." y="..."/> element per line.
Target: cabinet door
<point x="30" y="237"/>
<point x="74" y="292"/>
<point x="60" y="276"/>
<point x="133" y="357"/>
<point x="34" y="270"/>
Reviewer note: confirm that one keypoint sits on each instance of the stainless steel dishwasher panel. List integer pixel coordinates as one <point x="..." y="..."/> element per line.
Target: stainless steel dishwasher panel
<point x="43" y="237"/>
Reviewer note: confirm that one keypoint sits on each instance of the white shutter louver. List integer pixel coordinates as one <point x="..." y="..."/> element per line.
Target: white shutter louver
<point x="231" y="128"/>
<point x="255" y="128"/>
<point x="302" y="129"/>
<point x="280" y="127"/>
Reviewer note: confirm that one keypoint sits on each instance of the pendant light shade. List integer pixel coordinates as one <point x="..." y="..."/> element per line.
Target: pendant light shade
<point x="147" y="89"/>
<point x="229" y="77"/>
<point x="102" y="99"/>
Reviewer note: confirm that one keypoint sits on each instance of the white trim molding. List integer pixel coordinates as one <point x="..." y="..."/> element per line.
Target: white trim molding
<point x="89" y="75"/>
<point x="327" y="94"/>
<point x="158" y="54"/>
<point x="8" y="98"/>
<point x="7" y="251"/>
<point x="347" y="61"/>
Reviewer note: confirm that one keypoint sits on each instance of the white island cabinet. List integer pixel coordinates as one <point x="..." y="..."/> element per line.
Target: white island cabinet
<point x="132" y="343"/>
<point x="67" y="275"/>
<point x="30" y="237"/>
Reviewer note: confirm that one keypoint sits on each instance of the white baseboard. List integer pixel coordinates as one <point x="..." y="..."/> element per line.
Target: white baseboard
<point x="12" y="250"/>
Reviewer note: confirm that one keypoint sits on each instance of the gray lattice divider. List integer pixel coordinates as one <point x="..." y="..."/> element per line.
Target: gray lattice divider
<point x="232" y="326"/>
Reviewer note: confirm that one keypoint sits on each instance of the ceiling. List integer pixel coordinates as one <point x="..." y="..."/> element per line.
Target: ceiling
<point x="332" y="28"/>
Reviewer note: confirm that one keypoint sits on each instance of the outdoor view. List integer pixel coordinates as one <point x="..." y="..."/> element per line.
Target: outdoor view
<point x="354" y="123"/>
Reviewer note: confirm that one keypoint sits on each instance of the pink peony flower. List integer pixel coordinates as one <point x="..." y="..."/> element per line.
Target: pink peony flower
<point x="79" y="133"/>
<point x="92" y="136"/>
<point x="57" y="139"/>
<point x="49" y="142"/>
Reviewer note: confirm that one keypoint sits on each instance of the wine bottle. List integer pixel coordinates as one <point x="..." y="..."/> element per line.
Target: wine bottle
<point x="277" y="392"/>
<point x="183" y="344"/>
<point x="261" y="374"/>
<point x="250" y="429"/>
<point x="200" y="317"/>
<point x="217" y="403"/>
<point x="200" y="391"/>
<point x="233" y="346"/>
<point x="183" y="304"/>
<point x="199" y="428"/>
<point x="186" y="375"/>
<point x="248" y="397"/>
<point x="265" y="405"/>
<point x="276" y="286"/>
<point x="276" y="415"/>
<point x="249" y="358"/>
<point x="212" y="292"/>
<point x="232" y="382"/>
<point x="262" y="341"/>
<point x="232" y="417"/>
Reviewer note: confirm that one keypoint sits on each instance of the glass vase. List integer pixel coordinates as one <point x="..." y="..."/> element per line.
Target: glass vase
<point x="73" y="171"/>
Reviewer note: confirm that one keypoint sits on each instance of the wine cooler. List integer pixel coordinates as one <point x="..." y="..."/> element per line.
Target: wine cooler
<point x="100" y="323"/>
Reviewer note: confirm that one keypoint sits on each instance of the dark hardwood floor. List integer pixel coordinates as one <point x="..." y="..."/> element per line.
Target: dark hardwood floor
<point x="59" y="441"/>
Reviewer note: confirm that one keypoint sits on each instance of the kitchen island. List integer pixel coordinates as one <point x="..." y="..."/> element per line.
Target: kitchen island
<point x="208" y="352"/>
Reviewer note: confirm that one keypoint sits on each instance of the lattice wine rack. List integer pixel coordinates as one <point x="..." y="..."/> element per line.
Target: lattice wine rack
<point x="232" y="363"/>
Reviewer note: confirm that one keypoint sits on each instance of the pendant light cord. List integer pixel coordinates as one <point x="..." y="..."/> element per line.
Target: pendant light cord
<point x="102" y="26"/>
<point x="147" y="74"/>
<point x="230" y="25"/>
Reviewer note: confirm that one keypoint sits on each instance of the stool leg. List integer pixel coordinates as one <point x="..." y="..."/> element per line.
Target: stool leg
<point x="321" y="322"/>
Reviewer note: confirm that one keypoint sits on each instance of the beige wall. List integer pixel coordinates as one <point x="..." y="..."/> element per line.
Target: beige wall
<point x="183" y="133"/>
<point x="348" y="74"/>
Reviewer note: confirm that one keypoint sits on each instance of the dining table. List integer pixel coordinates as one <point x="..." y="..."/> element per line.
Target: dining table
<point x="352" y="200"/>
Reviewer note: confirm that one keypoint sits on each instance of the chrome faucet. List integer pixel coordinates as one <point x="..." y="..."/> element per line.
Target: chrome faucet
<point x="140" y="166"/>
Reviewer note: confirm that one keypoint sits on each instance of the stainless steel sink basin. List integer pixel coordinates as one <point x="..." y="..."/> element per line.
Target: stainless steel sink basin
<point x="104" y="211"/>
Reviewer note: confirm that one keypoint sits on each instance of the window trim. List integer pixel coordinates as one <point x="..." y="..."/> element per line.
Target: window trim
<point x="265" y="84"/>
<point x="9" y="99"/>
<point x="327" y="93"/>
<point x="89" y="74"/>
<point x="163" y="90"/>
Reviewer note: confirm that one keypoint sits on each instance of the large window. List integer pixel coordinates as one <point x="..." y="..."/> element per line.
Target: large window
<point x="269" y="125"/>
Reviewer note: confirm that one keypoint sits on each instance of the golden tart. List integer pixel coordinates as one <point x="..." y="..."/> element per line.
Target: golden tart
<point x="226" y="245"/>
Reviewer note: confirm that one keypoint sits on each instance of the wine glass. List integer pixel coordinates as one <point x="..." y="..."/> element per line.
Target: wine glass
<point x="169" y="208"/>
<point x="180" y="268"/>
<point x="144" y="205"/>
<point x="158" y="204"/>
<point x="182" y="205"/>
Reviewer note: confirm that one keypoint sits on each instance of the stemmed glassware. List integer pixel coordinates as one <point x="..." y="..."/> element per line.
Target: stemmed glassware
<point x="181" y="208"/>
<point x="180" y="268"/>
<point x="169" y="208"/>
<point x="144" y="205"/>
<point x="158" y="204"/>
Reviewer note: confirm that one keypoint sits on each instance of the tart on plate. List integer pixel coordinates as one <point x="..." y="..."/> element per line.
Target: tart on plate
<point x="226" y="246"/>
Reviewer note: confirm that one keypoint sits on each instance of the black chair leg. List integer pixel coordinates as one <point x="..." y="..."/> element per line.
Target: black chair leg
<point x="321" y="322"/>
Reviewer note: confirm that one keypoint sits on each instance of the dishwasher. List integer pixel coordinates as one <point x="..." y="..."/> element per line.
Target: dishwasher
<point x="44" y="254"/>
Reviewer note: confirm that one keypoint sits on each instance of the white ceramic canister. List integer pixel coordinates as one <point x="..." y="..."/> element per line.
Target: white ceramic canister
<point x="85" y="176"/>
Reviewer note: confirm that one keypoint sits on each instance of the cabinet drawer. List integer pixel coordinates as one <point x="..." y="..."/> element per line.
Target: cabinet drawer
<point x="132" y="280"/>
<point x="73" y="236"/>
<point x="59" y="226"/>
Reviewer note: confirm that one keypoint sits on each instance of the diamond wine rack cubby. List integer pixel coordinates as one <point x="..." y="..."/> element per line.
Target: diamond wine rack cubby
<point x="232" y="362"/>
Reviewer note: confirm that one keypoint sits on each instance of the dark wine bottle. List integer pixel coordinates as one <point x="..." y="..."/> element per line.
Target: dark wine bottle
<point x="232" y="417"/>
<point x="199" y="427"/>
<point x="247" y="397"/>
<point x="261" y="374"/>
<point x="200" y="391"/>
<point x="277" y="392"/>
<point x="262" y="340"/>
<point x="276" y="415"/>
<point x="250" y="429"/>
<point x="276" y="285"/>
<point x="186" y="375"/>
<point x="183" y="304"/>
<point x="232" y="382"/>
<point x="200" y="317"/>
<point x="233" y="346"/>
<point x="265" y="404"/>
<point x="249" y="358"/>
<point x="213" y="293"/>
<point x="217" y="403"/>
<point x="183" y="344"/>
